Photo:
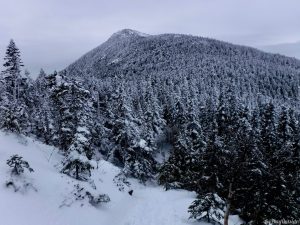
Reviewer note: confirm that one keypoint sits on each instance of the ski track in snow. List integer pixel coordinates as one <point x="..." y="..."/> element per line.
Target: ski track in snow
<point x="153" y="206"/>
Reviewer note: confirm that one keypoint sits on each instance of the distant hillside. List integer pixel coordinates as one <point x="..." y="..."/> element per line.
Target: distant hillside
<point x="211" y="64"/>
<point x="289" y="49"/>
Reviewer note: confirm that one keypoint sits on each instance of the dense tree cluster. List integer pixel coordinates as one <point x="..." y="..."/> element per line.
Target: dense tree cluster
<point x="237" y="150"/>
<point x="248" y="159"/>
<point x="207" y="64"/>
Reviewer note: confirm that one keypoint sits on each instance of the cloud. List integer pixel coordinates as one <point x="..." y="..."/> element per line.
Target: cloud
<point x="52" y="34"/>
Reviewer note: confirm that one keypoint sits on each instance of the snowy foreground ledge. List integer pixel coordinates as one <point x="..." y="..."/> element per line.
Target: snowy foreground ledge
<point x="50" y="199"/>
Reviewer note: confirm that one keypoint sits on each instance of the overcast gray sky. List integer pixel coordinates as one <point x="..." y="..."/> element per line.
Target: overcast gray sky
<point x="53" y="33"/>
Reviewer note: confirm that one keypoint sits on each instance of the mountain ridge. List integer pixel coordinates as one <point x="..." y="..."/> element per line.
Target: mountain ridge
<point x="127" y="39"/>
<point x="212" y="64"/>
<point x="126" y="35"/>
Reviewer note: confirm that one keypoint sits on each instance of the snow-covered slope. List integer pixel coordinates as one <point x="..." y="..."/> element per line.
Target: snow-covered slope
<point x="132" y="53"/>
<point x="50" y="200"/>
<point x="131" y="56"/>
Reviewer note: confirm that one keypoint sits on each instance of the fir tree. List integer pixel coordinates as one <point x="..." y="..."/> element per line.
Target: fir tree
<point x="208" y="207"/>
<point x="12" y="72"/>
<point x="14" y="111"/>
<point x="76" y="164"/>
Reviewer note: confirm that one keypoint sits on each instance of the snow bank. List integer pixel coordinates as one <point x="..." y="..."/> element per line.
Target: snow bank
<point x="53" y="202"/>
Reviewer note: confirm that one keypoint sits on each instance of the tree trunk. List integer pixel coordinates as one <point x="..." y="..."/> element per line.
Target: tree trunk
<point x="226" y="216"/>
<point x="77" y="172"/>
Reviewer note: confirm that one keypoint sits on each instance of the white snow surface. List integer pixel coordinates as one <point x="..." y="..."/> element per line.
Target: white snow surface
<point x="128" y="32"/>
<point x="50" y="200"/>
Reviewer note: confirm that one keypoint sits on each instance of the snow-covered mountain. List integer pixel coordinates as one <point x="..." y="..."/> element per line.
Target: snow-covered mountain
<point x="214" y="64"/>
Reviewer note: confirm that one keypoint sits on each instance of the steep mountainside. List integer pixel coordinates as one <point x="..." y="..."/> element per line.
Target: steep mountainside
<point x="212" y="63"/>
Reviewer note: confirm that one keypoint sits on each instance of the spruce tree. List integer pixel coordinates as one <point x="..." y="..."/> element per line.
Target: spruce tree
<point x="42" y="118"/>
<point x="208" y="207"/>
<point x="12" y="72"/>
<point x="14" y="111"/>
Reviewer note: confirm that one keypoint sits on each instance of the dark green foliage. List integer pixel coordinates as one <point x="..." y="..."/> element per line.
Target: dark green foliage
<point x="10" y="120"/>
<point x="256" y="155"/>
<point x="77" y="167"/>
<point x="96" y="200"/>
<point x="18" y="165"/>
<point x="139" y="163"/>
<point x="171" y="173"/>
<point x="120" y="180"/>
<point x="208" y="207"/>
<point x="14" y="89"/>
<point x="12" y="72"/>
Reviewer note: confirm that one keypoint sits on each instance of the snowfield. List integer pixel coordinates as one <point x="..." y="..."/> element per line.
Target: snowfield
<point x="49" y="199"/>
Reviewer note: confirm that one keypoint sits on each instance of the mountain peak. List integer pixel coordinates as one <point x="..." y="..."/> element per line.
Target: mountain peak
<point x="129" y="33"/>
